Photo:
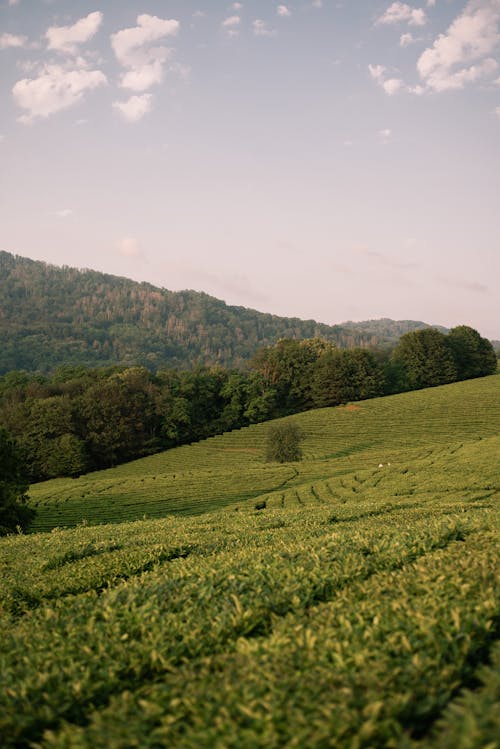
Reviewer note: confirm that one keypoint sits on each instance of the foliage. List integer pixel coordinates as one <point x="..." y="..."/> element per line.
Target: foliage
<point x="13" y="510"/>
<point x="229" y="469"/>
<point x="356" y="611"/>
<point x="283" y="442"/>
<point x="426" y="358"/>
<point x="473" y="355"/>
<point x="63" y="316"/>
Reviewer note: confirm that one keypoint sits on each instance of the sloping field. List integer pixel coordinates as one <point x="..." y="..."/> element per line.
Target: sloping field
<point x="229" y="469"/>
<point x="360" y="609"/>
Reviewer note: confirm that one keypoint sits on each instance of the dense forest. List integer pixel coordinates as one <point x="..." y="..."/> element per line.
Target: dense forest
<point x="80" y="419"/>
<point x="52" y="316"/>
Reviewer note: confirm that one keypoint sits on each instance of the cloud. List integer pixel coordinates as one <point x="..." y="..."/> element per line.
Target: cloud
<point x="237" y="6"/>
<point x="462" y="54"/>
<point x="392" y="85"/>
<point x="66" y="39"/>
<point x="9" y="41"/>
<point x="13" y="2"/>
<point x="283" y="11"/>
<point x="132" y="48"/>
<point x="459" y="283"/>
<point x="64" y="213"/>
<point x="377" y="72"/>
<point x="129" y="247"/>
<point x="317" y="3"/>
<point x="134" y="108"/>
<point x="402" y="13"/>
<point x="231" y="21"/>
<point x="261" y="28"/>
<point x="230" y="26"/>
<point x="56" y="88"/>
<point x="431" y="3"/>
<point x="497" y="112"/>
<point x="406" y="39"/>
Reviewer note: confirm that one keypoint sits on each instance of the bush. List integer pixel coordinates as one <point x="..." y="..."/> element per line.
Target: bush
<point x="13" y="511"/>
<point x="283" y="443"/>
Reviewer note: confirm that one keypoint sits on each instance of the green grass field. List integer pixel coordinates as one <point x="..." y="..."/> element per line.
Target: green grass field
<point x="229" y="469"/>
<point x="359" y="609"/>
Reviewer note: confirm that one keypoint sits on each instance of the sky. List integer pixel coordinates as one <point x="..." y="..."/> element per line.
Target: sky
<point x="320" y="159"/>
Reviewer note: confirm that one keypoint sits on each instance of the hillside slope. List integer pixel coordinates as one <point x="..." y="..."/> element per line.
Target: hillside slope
<point x="360" y="609"/>
<point x="51" y="316"/>
<point x="410" y="431"/>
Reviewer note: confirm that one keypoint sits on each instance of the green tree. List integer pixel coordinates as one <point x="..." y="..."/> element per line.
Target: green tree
<point x="473" y="355"/>
<point x="283" y="443"/>
<point x="346" y="375"/>
<point x="13" y="486"/>
<point x="426" y="359"/>
<point x="287" y="368"/>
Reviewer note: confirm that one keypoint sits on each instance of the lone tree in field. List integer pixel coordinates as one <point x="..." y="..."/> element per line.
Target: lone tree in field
<point x="13" y="510"/>
<point x="283" y="443"/>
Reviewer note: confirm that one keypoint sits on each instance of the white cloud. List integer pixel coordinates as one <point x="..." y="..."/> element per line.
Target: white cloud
<point x="261" y="28"/>
<point x="497" y="112"/>
<point x="463" y="53"/>
<point x="56" y="88"/>
<point x="13" y="2"/>
<point x="385" y="135"/>
<point x="134" y="108"/>
<point x="283" y="11"/>
<point x="237" y="6"/>
<point x="431" y="3"/>
<point x="129" y="247"/>
<point x="230" y="26"/>
<point x="402" y="13"/>
<point x="133" y="51"/>
<point x="406" y="39"/>
<point x="231" y="21"/>
<point x="2" y="137"/>
<point x="317" y="3"/>
<point x="8" y="41"/>
<point x="392" y="85"/>
<point x="376" y="72"/>
<point x="67" y="38"/>
<point x="64" y="213"/>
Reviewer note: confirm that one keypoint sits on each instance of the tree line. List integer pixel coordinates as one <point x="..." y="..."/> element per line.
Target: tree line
<point x="78" y="420"/>
<point x="56" y="316"/>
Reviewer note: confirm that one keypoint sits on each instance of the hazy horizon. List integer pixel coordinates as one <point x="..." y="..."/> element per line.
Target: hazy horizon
<point x="324" y="160"/>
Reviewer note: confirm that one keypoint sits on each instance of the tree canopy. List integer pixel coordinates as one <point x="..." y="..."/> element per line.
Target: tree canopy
<point x="13" y="486"/>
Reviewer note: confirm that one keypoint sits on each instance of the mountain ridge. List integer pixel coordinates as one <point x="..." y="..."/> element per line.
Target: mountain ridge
<point x="56" y="315"/>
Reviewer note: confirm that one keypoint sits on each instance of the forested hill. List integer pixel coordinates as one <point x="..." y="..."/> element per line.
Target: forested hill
<point x="51" y="316"/>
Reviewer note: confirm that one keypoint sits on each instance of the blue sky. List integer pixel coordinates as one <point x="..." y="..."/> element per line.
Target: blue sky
<point x="328" y="160"/>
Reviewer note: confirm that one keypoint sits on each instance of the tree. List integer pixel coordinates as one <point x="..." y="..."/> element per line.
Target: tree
<point x="287" y="368"/>
<point x="13" y="486"/>
<point x="346" y="375"/>
<point x="473" y="356"/>
<point x="426" y="359"/>
<point x="283" y="443"/>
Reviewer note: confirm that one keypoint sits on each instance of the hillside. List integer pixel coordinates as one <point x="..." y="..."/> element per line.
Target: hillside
<point x="51" y="316"/>
<point x="359" y="609"/>
<point x="410" y="431"/>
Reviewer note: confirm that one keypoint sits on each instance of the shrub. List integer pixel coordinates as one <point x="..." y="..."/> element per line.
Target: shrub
<point x="283" y="443"/>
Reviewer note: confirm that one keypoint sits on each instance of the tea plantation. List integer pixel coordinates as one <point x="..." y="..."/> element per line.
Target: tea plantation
<point x="360" y="608"/>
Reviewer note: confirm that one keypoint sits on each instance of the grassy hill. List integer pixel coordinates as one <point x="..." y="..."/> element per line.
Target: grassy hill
<point x="54" y="316"/>
<point x="410" y="430"/>
<point x="359" y="609"/>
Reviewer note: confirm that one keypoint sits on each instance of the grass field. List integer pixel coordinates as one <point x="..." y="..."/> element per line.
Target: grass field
<point x="229" y="469"/>
<point x="359" y="609"/>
